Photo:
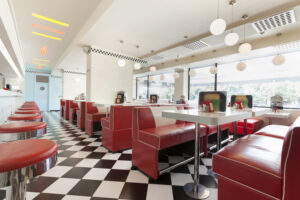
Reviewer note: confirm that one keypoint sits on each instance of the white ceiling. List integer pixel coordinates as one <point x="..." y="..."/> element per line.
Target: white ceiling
<point x="73" y="12"/>
<point x="157" y="24"/>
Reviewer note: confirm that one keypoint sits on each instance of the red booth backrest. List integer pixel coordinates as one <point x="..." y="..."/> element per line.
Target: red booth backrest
<point x="90" y="108"/>
<point x="62" y="102"/>
<point x="290" y="162"/>
<point x="73" y="104"/>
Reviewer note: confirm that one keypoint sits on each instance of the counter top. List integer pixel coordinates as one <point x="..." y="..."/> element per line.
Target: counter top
<point x="7" y="93"/>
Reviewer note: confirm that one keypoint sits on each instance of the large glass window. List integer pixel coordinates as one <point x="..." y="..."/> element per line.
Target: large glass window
<point x="163" y="88"/>
<point x="263" y="80"/>
<point x="142" y="87"/>
<point x="203" y="81"/>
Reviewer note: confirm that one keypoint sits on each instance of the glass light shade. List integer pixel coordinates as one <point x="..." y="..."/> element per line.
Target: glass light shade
<point x="245" y="48"/>
<point x="121" y="63"/>
<point x="137" y="66"/>
<point x="241" y="66"/>
<point x="278" y="60"/>
<point x="192" y="73"/>
<point x="77" y="79"/>
<point x="152" y="69"/>
<point x="218" y="26"/>
<point x="231" y="39"/>
<point x="150" y="79"/>
<point x="141" y="80"/>
<point x="176" y="75"/>
<point x="213" y="70"/>
<point x="162" y="77"/>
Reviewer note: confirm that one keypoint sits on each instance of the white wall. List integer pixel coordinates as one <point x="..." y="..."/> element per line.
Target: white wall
<point x="73" y="84"/>
<point x="106" y="78"/>
<point x="181" y="85"/>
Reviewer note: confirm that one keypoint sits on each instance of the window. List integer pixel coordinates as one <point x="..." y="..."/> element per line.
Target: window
<point x="142" y="88"/>
<point x="163" y="88"/>
<point x="263" y="80"/>
<point x="203" y="81"/>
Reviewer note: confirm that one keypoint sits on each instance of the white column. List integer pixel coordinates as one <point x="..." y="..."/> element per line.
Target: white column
<point x="181" y="84"/>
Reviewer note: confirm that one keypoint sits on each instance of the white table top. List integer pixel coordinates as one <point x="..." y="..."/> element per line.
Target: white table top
<point x="214" y="118"/>
<point x="282" y="115"/>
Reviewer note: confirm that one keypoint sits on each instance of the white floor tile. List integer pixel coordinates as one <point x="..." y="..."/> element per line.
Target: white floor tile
<point x="73" y="197"/>
<point x="136" y="176"/>
<point x="95" y="144"/>
<point x="180" y="179"/>
<point x="89" y="139"/>
<point x="129" y="151"/>
<point x="87" y="163"/>
<point x="109" y="189"/>
<point x="61" y="186"/>
<point x="60" y="159"/>
<point x="202" y="169"/>
<point x="96" y="174"/>
<point x="207" y="161"/>
<point x="101" y="149"/>
<point x="70" y="143"/>
<point x="159" y="192"/>
<point x="75" y="148"/>
<point x="31" y="195"/>
<point x="57" y="171"/>
<point x="81" y="154"/>
<point x="111" y="156"/>
<point x="122" y="164"/>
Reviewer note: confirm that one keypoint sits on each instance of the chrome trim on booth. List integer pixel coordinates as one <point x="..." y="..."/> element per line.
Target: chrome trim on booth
<point x="19" y="177"/>
<point x="8" y="137"/>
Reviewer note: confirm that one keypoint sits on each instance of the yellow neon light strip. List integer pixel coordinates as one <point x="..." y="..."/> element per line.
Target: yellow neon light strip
<point x="37" y="59"/>
<point x="50" y="20"/>
<point x="47" y="36"/>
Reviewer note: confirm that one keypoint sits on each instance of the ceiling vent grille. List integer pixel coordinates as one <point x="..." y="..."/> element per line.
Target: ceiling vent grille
<point x="155" y="58"/>
<point x="196" y="45"/>
<point x="279" y="20"/>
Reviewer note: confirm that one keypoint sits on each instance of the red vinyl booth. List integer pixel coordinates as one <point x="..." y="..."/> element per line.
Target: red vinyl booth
<point x="73" y="107"/>
<point x="252" y="126"/>
<point x="81" y="115"/>
<point x="152" y="133"/>
<point x="262" y="166"/>
<point x="62" y="106"/>
<point x="26" y="117"/>
<point x="93" y="116"/>
<point x="66" y="109"/>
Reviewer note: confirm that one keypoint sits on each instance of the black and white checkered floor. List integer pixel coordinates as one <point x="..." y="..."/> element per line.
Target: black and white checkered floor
<point x="85" y="170"/>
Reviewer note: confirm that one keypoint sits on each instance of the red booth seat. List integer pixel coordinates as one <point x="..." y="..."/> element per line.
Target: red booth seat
<point x="66" y="109"/>
<point x="27" y="112"/>
<point x="260" y="166"/>
<point x="62" y="105"/>
<point x="73" y="111"/>
<point x="278" y="131"/>
<point x="26" y="117"/>
<point x="81" y="115"/>
<point x="92" y="116"/>
<point x="152" y="133"/>
<point x="252" y="126"/>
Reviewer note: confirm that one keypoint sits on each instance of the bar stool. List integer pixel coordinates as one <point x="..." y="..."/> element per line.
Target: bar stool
<point x="20" y="162"/>
<point x="21" y="130"/>
<point x="73" y="107"/>
<point x="26" y="117"/>
<point x="27" y="112"/>
<point x="29" y="108"/>
<point x="62" y="106"/>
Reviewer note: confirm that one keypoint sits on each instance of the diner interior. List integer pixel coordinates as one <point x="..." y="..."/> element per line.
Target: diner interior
<point x="149" y="99"/>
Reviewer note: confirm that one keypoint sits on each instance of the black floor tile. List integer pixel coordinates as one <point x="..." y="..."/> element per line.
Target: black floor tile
<point x="70" y="162"/>
<point x="105" y="164"/>
<point x="40" y="184"/>
<point x="76" y="172"/>
<point x="96" y="155"/>
<point x="164" y="179"/>
<point x="125" y="157"/>
<point x="66" y="153"/>
<point x="134" y="191"/>
<point x="117" y="175"/>
<point x="85" y="188"/>
<point x="46" y="196"/>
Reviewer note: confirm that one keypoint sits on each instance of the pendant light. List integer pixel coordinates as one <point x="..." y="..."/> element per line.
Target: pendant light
<point x="218" y="26"/>
<point x="150" y="79"/>
<point x="121" y="62"/>
<point x="241" y="66"/>
<point x="213" y="70"/>
<point x="141" y="80"/>
<point x="176" y="75"/>
<point x="231" y="38"/>
<point x="152" y="69"/>
<point x="137" y="65"/>
<point x="278" y="60"/>
<point x="162" y="77"/>
<point x="245" y="47"/>
<point x="192" y="73"/>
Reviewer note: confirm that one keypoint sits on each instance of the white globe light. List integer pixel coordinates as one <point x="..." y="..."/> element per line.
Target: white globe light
<point x="152" y="69"/>
<point x="231" y="39"/>
<point x="162" y="77"/>
<point x="241" y="66"/>
<point x="213" y="70"/>
<point x="150" y="79"/>
<point x="245" y="48"/>
<point x="137" y="66"/>
<point x="121" y="63"/>
<point x="192" y="73"/>
<point x="176" y="75"/>
<point x="278" y="60"/>
<point x="218" y="26"/>
<point x="141" y="80"/>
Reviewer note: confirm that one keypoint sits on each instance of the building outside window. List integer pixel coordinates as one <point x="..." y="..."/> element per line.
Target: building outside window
<point x="142" y="87"/>
<point x="163" y="88"/>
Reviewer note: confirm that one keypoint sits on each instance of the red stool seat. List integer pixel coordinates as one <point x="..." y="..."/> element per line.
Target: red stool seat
<point x="17" y="127"/>
<point x="253" y="125"/>
<point x="27" y="112"/>
<point x="28" y="108"/>
<point x="20" y="154"/>
<point x="26" y="117"/>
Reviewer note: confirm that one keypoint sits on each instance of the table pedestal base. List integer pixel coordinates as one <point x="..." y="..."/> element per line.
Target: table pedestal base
<point x="202" y="193"/>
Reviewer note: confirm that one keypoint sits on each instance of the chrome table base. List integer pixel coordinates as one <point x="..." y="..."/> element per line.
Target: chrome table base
<point x="202" y="193"/>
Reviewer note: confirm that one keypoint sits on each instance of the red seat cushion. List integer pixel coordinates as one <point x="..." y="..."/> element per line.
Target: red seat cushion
<point x="27" y="111"/>
<point x="25" y="117"/>
<point x="252" y="123"/>
<point x="18" y="127"/>
<point x="105" y="122"/>
<point x="18" y="154"/>
<point x="95" y="117"/>
<point x="28" y="108"/>
<point x="277" y="131"/>
<point x="254" y="161"/>
<point x="169" y="135"/>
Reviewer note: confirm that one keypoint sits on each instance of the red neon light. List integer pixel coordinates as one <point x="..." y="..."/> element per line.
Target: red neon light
<point x="48" y="29"/>
<point x="43" y="50"/>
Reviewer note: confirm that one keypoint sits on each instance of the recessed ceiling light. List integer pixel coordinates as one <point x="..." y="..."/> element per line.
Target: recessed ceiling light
<point x="47" y="36"/>
<point x="37" y="59"/>
<point x="50" y="20"/>
<point x="48" y="29"/>
<point x="43" y="50"/>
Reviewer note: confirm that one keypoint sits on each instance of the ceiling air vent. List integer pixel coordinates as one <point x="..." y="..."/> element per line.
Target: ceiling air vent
<point x="275" y="21"/>
<point x="196" y="45"/>
<point x="155" y="57"/>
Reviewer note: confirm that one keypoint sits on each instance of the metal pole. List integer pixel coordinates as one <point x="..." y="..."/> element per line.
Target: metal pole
<point x="218" y="137"/>
<point x="196" y="163"/>
<point x="234" y="131"/>
<point x="216" y="78"/>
